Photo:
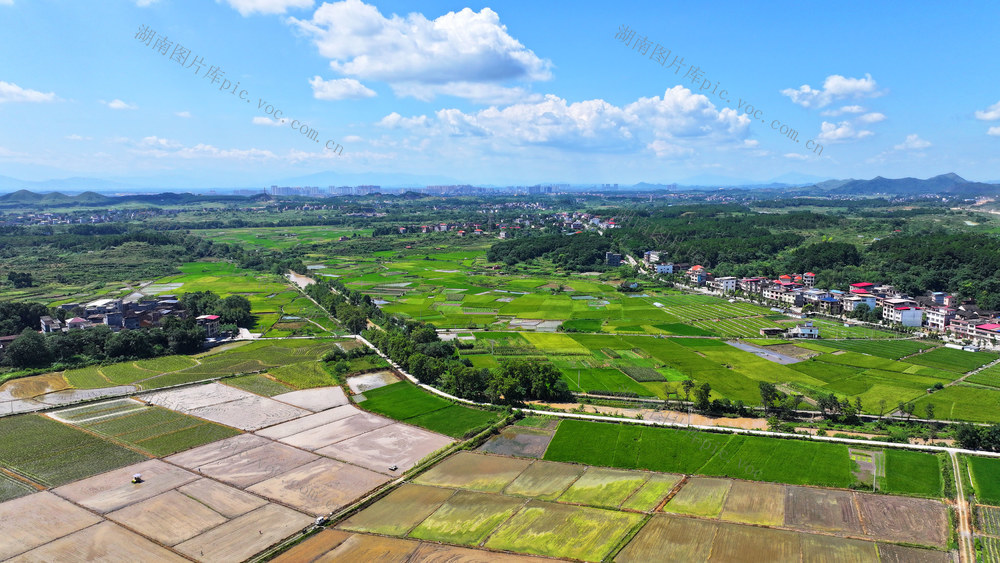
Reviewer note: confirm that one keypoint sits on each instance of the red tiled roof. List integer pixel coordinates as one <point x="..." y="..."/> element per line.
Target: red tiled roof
<point x="809" y="274"/>
<point x="77" y="320"/>
<point x="989" y="326"/>
<point x="862" y="284"/>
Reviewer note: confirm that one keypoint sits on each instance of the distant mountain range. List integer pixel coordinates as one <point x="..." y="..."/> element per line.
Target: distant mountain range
<point x="49" y="192"/>
<point x="945" y="184"/>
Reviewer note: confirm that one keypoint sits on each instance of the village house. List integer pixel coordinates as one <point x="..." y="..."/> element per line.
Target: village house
<point x="905" y="315"/>
<point x="725" y="284"/>
<point x="806" y="330"/>
<point x="210" y="323"/>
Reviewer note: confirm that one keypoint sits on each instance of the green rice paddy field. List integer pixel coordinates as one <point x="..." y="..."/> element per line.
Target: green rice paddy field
<point x="756" y="458"/>
<point x="41" y="449"/>
<point x="408" y="403"/>
<point x="294" y="362"/>
<point x="654" y="367"/>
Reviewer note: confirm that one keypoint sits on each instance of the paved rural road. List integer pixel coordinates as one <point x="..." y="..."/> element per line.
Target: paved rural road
<point x="966" y="549"/>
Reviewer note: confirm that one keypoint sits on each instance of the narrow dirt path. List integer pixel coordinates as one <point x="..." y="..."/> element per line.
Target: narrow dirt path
<point x="966" y="549"/>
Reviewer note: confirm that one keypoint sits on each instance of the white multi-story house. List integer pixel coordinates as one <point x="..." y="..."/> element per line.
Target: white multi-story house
<point x="940" y="317"/>
<point x="904" y="315"/>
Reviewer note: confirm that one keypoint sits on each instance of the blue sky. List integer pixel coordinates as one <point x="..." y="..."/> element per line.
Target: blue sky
<point x="500" y="93"/>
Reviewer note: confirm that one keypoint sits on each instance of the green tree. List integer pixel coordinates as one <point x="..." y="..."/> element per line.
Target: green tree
<point x="768" y="394"/>
<point x="28" y="350"/>
<point x="688" y="385"/>
<point x="929" y="411"/>
<point x="701" y="397"/>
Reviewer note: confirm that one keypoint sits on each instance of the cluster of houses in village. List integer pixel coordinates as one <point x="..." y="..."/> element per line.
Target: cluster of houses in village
<point x="118" y="314"/>
<point x="937" y="311"/>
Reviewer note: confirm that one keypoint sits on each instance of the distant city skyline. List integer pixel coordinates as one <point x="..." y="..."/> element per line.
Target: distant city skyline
<point x="245" y="93"/>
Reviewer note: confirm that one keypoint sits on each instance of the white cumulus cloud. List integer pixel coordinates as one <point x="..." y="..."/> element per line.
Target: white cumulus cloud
<point x="10" y="92"/>
<point x="248" y="7"/>
<point x="676" y="120"/>
<point x="118" y="104"/>
<point x="340" y="89"/>
<point x="991" y="113"/>
<point x="843" y="110"/>
<point x="261" y="120"/>
<point x="184" y="114"/>
<point x="995" y="131"/>
<point x="835" y="87"/>
<point x="912" y="142"/>
<point x="841" y="132"/>
<point x="422" y="57"/>
<point x="873" y="117"/>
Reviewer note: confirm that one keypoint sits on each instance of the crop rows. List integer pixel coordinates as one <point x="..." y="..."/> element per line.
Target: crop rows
<point x="991" y="548"/>
<point x="745" y="327"/>
<point x="642" y="374"/>
<point x="988" y="519"/>
<point x="718" y="311"/>
<point x="989" y="377"/>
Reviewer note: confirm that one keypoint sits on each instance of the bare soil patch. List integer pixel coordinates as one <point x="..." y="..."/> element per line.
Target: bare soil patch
<point x="38" y="519"/>
<point x="521" y="441"/>
<point x="320" y="487"/>
<point x="901" y="519"/>
<point x="821" y="510"/>
<point x="104" y="542"/>
<point x="399" y="445"/>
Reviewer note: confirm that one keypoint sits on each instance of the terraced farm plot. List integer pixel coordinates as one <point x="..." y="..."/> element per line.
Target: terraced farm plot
<point x="700" y="496"/>
<point x="755" y="503"/>
<point x="989" y="377"/>
<point x="400" y="511"/>
<point x="912" y="473"/>
<point x="606" y="488"/>
<point x="991" y="548"/>
<point x="11" y="488"/>
<point x="988" y="520"/>
<point x="891" y="349"/>
<point x="467" y="518"/>
<point x="159" y="431"/>
<point x="963" y="402"/>
<point x="258" y="384"/>
<point x="87" y="378"/>
<point x="827" y="548"/>
<point x="408" y="403"/>
<point x="544" y="480"/>
<point x="986" y="479"/>
<point x="475" y="472"/>
<point x="520" y="441"/>
<point x="745" y="543"/>
<point x="52" y="453"/>
<point x="667" y="538"/>
<point x="950" y="359"/>
<point x="652" y="492"/>
<point x="821" y="510"/>
<point x="904" y="520"/>
<point x="559" y="530"/>
<point x="98" y="411"/>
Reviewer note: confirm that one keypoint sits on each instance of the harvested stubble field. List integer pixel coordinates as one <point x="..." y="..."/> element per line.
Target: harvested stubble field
<point x="474" y="498"/>
<point x="558" y="530"/>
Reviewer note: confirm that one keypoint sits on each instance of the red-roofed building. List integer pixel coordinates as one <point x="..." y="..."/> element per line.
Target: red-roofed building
<point x="78" y="323"/>
<point x="210" y="323"/>
<point x="809" y="279"/>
